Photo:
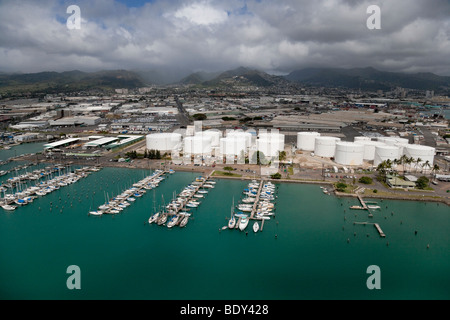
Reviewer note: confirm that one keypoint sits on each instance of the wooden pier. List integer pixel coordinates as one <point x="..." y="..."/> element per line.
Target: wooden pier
<point x="376" y="225"/>
<point x="364" y="206"/>
<point x="255" y="204"/>
<point x="379" y="230"/>
<point x="183" y="206"/>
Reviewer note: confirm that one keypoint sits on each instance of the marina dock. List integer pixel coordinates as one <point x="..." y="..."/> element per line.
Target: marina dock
<point x="120" y="202"/>
<point x="363" y="204"/>
<point x="376" y="225"/>
<point x="189" y="198"/>
<point x="177" y="208"/>
<point x="255" y="204"/>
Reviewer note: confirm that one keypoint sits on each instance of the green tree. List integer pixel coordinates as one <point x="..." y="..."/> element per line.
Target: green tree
<point x="229" y="169"/>
<point x="422" y="182"/>
<point x="365" y="180"/>
<point x="340" y="186"/>
<point x="199" y="116"/>
<point x="276" y="176"/>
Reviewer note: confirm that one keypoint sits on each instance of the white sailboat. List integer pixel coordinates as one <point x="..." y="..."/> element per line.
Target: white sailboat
<point x="8" y="207"/>
<point x="232" y="221"/>
<point x="244" y="222"/>
<point x="256" y="227"/>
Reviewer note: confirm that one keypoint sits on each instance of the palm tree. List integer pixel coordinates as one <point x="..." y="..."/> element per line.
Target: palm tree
<point x="435" y="169"/>
<point x="408" y="161"/>
<point x="403" y="159"/>
<point x="426" y="164"/>
<point x="418" y="160"/>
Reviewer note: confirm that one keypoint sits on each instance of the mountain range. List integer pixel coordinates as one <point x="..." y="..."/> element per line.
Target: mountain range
<point x="355" y="78"/>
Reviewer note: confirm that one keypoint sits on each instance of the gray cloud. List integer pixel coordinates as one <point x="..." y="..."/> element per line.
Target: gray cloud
<point x="211" y="35"/>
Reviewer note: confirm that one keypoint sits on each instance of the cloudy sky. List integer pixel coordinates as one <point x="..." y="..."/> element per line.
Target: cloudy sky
<point x="214" y="35"/>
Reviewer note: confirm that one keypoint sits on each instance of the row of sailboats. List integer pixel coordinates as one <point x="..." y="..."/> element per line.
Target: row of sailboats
<point x="264" y="207"/>
<point x="177" y="211"/>
<point x="42" y="188"/>
<point x="120" y="202"/>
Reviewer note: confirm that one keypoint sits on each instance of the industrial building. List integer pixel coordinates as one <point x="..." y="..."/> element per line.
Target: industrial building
<point x="124" y="140"/>
<point x="101" y="142"/>
<point x="61" y="143"/>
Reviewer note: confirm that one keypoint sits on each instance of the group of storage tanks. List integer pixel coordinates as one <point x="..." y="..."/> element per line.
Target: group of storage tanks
<point x="213" y="142"/>
<point x="238" y="142"/>
<point x="362" y="149"/>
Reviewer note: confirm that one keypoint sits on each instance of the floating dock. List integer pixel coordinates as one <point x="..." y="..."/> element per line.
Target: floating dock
<point x="377" y="226"/>
<point x="255" y="204"/>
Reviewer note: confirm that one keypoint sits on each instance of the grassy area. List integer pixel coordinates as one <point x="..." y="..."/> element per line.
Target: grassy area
<point x="291" y="170"/>
<point x="226" y="174"/>
<point x="349" y="188"/>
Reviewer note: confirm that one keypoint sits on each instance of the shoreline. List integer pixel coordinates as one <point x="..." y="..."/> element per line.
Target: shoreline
<point x="209" y="170"/>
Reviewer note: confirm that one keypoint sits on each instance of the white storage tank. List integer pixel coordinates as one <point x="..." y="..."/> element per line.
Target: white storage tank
<point x="233" y="146"/>
<point x="349" y="153"/>
<point x="239" y="134"/>
<point x="198" y="144"/>
<point x="214" y="134"/>
<point x="163" y="141"/>
<point x="270" y="144"/>
<point x="361" y="138"/>
<point x="306" y="140"/>
<point x="325" y="146"/>
<point x="383" y="153"/>
<point x="393" y="140"/>
<point x="369" y="149"/>
<point x="416" y="151"/>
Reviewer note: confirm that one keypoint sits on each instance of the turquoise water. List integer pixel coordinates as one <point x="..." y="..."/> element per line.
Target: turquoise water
<point x="302" y="254"/>
<point x="22" y="149"/>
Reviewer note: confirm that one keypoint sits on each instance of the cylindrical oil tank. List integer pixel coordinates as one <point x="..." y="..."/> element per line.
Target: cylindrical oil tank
<point x="270" y="144"/>
<point x="163" y="141"/>
<point x="392" y="140"/>
<point x="361" y="138"/>
<point x="325" y="146"/>
<point x="233" y="146"/>
<point x="197" y="144"/>
<point x="369" y="148"/>
<point x="416" y="151"/>
<point x="214" y="134"/>
<point x="386" y="152"/>
<point x="349" y="153"/>
<point x="239" y="134"/>
<point x="306" y="140"/>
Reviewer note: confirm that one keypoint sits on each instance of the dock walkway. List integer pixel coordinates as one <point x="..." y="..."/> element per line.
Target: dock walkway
<point x="376" y="225"/>
<point x="183" y="206"/>
<point x="255" y="204"/>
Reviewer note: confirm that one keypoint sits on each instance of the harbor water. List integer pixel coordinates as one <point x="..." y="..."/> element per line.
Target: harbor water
<point x="310" y="250"/>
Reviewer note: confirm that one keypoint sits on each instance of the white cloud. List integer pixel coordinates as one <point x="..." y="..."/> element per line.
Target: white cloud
<point x="214" y="35"/>
<point x="201" y="13"/>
